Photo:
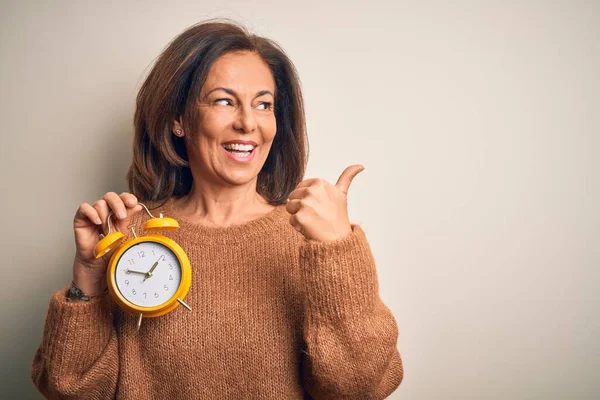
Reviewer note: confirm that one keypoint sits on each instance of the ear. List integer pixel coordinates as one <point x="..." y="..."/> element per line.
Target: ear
<point x="178" y="128"/>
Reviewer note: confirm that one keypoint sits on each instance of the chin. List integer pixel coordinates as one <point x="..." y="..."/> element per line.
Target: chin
<point x="241" y="178"/>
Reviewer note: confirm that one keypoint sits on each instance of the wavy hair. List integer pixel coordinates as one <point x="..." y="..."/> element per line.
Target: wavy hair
<point x="160" y="166"/>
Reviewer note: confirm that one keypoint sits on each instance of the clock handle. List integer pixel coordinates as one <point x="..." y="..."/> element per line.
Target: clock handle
<point x="148" y="211"/>
<point x="111" y="213"/>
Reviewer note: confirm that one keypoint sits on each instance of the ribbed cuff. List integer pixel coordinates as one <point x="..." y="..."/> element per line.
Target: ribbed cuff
<point x="76" y="331"/>
<point x="340" y="277"/>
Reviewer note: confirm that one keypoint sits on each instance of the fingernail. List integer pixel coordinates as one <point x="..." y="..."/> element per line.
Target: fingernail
<point x="98" y="221"/>
<point x="122" y="215"/>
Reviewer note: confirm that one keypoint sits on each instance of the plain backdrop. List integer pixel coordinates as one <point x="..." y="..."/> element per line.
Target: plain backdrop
<point x="478" y="123"/>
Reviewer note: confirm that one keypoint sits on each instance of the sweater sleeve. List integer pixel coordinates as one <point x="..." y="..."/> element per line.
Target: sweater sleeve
<point x="78" y="354"/>
<point x="350" y="335"/>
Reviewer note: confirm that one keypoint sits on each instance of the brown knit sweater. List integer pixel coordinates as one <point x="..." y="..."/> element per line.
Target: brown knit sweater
<point x="274" y="316"/>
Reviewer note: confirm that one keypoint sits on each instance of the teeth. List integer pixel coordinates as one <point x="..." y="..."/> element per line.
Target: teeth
<point x="238" y="146"/>
<point x="242" y="154"/>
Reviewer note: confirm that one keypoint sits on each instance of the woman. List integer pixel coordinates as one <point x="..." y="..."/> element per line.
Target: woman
<point x="284" y="292"/>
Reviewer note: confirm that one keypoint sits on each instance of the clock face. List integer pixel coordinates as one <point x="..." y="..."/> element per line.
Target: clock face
<point x="148" y="274"/>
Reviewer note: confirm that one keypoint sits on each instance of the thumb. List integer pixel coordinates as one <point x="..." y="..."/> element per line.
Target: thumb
<point x="345" y="179"/>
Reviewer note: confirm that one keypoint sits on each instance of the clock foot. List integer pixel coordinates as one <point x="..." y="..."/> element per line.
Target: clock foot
<point x="139" y="324"/>
<point x="183" y="304"/>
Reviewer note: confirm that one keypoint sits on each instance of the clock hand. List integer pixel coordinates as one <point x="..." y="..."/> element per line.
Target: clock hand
<point x="137" y="272"/>
<point x="149" y="273"/>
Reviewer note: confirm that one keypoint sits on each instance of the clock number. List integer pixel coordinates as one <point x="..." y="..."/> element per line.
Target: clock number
<point x="127" y="283"/>
<point x="131" y="261"/>
<point x="163" y="258"/>
<point x="133" y="291"/>
<point x="156" y="295"/>
<point x="170" y="266"/>
<point x="166" y="288"/>
<point x="144" y="294"/>
<point x="153" y="253"/>
<point x="141" y="254"/>
<point x="170" y="277"/>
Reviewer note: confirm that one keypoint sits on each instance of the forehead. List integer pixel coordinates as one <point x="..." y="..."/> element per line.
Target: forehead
<point x="240" y="71"/>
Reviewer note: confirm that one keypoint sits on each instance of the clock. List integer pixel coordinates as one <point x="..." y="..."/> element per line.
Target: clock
<point x="148" y="275"/>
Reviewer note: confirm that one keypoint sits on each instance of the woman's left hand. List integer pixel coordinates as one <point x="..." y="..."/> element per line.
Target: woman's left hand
<point x="319" y="210"/>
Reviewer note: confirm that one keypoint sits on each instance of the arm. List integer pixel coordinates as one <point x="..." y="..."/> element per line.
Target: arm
<point x="350" y="333"/>
<point x="78" y="354"/>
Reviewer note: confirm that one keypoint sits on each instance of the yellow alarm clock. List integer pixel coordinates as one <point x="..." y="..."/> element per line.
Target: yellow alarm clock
<point x="149" y="275"/>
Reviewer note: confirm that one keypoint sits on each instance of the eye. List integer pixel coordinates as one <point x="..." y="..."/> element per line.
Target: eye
<point x="265" y="105"/>
<point x="223" y="102"/>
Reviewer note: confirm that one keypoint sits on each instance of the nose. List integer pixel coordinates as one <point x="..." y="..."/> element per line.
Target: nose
<point x="245" y="120"/>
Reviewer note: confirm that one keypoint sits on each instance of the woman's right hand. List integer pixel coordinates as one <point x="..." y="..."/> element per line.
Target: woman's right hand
<point x="89" y="273"/>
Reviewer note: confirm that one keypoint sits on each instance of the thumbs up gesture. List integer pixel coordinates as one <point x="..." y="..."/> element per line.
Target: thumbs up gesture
<point x="319" y="210"/>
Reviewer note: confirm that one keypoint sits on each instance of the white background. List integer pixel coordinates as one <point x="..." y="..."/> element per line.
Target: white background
<point x="478" y="124"/>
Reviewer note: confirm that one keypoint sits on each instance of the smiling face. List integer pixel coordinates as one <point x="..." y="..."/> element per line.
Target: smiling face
<point x="236" y="105"/>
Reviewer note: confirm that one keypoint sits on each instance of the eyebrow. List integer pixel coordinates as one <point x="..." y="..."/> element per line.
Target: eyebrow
<point x="233" y="93"/>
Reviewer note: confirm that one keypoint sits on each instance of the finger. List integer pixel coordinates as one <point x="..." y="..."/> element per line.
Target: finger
<point x="308" y="182"/>
<point x="87" y="211"/>
<point x="116" y="204"/>
<point x="129" y="199"/>
<point x="294" y="222"/>
<point x="344" y="181"/>
<point x="102" y="208"/>
<point x="299" y="193"/>
<point x="293" y="206"/>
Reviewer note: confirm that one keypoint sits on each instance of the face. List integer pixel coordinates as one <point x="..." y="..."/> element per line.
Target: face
<point x="237" y="124"/>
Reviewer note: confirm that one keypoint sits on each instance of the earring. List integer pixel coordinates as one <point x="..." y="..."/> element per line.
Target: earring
<point x="178" y="132"/>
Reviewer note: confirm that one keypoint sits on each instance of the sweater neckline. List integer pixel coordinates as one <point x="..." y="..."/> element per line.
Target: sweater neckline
<point x="238" y="233"/>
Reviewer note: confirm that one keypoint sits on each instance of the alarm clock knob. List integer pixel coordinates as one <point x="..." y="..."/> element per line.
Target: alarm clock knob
<point x="161" y="224"/>
<point x="108" y="243"/>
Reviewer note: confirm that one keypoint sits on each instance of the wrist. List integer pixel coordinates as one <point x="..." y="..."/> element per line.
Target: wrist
<point x="90" y="282"/>
<point x="90" y="289"/>
<point x="76" y="293"/>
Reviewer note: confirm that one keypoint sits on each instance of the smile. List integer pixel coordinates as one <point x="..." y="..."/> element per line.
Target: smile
<point x="240" y="152"/>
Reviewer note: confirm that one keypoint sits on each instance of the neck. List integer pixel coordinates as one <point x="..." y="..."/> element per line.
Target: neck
<point x="222" y="206"/>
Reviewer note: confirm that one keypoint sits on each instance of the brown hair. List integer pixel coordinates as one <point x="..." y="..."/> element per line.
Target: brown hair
<point x="160" y="167"/>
